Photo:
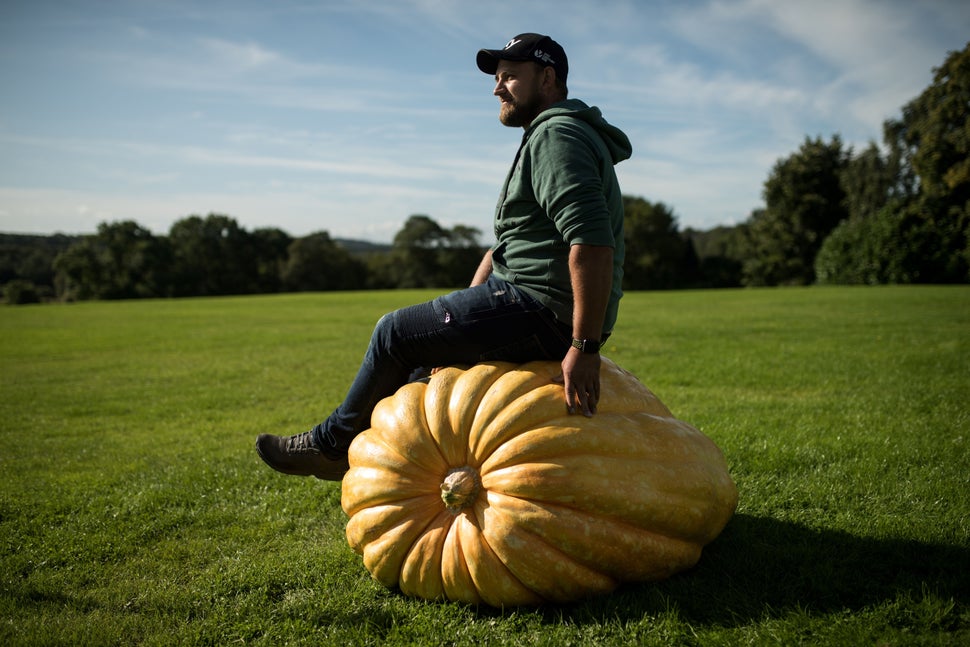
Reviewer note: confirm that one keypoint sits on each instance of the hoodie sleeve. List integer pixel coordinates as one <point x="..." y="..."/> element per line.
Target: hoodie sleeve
<point x="567" y="177"/>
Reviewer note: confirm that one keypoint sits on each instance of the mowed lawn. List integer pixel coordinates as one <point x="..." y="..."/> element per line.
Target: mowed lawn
<point x="133" y="509"/>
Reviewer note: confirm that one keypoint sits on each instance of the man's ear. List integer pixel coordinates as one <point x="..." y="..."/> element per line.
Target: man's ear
<point x="548" y="78"/>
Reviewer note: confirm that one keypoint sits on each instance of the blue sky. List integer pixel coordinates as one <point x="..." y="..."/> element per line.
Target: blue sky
<point x="349" y="116"/>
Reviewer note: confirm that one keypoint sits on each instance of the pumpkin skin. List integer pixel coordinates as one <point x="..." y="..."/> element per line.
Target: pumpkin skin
<point x="479" y="487"/>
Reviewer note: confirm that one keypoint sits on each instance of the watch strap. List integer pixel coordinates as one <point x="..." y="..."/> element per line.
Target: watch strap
<point x="587" y="345"/>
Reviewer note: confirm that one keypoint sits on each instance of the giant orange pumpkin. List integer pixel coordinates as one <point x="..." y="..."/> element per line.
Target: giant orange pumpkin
<point x="479" y="487"/>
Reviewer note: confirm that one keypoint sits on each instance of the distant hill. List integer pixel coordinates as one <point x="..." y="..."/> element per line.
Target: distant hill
<point x="56" y="241"/>
<point x="361" y="246"/>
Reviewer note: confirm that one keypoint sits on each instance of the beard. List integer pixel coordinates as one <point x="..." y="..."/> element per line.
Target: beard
<point x="519" y="114"/>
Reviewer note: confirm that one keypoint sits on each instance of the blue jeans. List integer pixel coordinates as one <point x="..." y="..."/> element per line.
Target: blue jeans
<point x="492" y="321"/>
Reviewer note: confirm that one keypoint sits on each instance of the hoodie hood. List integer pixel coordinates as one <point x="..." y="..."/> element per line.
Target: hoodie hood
<point x="615" y="139"/>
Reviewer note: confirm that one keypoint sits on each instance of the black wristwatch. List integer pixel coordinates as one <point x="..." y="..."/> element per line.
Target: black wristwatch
<point x="587" y="345"/>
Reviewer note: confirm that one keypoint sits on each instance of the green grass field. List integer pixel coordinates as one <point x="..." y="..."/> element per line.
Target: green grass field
<point x="133" y="509"/>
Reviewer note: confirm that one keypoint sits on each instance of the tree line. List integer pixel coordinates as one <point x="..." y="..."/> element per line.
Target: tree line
<point x="899" y="213"/>
<point x="215" y="256"/>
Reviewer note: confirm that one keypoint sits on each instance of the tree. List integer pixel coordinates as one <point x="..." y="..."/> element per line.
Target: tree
<point x="20" y="292"/>
<point x="122" y="261"/>
<point x="657" y="256"/>
<point x="425" y="255"/>
<point x="460" y="256"/>
<point x="382" y="270"/>
<point x="893" y="246"/>
<point x="30" y="258"/>
<point x="867" y="180"/>
<point x="78" y="271"/>
<point x="936" y="125"/>
<point x="933" y="137"/>
<point x="720" y="252"/>
<point x="212" y="256"/>
<point x="271" y="247"/>
<point x="420" y="232"/>
<point x="863" y="251"/>
<point x="922" y="234"/>
<point x="804" y="201"/>
<point x="415" y="252"/>
<point x="316" y="263"/>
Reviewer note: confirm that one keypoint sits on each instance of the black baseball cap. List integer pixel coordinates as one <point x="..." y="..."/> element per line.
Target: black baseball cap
<point x="526" y="47"/>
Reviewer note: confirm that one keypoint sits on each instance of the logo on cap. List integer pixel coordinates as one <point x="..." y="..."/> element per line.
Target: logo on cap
<point x="545" y="58"/>
<point x="512" y="43"/>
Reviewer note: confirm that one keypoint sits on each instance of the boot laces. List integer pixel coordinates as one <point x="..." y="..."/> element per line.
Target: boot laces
<point x="301" y="444"/>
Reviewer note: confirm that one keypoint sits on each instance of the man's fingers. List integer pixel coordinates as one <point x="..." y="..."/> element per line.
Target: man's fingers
<point x="585" y="398"/>
<point x="571" y="396"/>
<point x="589" y="404"/>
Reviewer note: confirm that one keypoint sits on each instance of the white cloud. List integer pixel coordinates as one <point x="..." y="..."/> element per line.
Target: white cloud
<point x="246" y="108"/>
<point x="856" y="62"/>
<point x="248" y="55"/>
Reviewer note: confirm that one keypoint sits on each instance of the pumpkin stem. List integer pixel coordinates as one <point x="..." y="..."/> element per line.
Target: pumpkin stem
<point x="460" y="487"/>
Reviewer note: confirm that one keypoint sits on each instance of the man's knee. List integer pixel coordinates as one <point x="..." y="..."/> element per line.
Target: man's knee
<point x="407" y="323"/>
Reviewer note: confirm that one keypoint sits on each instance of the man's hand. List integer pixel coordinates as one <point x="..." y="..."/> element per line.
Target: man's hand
<point x="581" y="379"/>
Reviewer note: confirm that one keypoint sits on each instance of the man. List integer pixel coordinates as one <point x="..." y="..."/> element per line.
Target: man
<point x="549" y="287"/>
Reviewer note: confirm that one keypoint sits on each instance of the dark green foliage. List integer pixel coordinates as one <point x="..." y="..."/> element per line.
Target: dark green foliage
<point x="908" y="211"/>
<point x="657" y="255"/>
<point x="804" y="202"/>
<point x="20" y="292"/>
<point x="122" y="261"/>
<point x="316" y="263"/>
<point x="427" y="255"/>
<point x="720" y="252"/>
<point x="212" y="256"/>
<point x="215" y="256"/>
<point x="868" y="180"/>
<point x="861" y="252"/>
<point x="271" y="246"/>
<point x="29" y="259"/>
<point x="896" y="245"/>
<point x="922" y="235"/>
<point x="935" y="130"/>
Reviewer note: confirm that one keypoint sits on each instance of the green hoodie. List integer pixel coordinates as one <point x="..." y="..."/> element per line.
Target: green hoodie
<point x="561" y="191"/>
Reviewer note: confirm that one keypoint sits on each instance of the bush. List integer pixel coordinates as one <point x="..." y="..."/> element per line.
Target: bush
<point x="897" y="245"/>
<point x="20" y="292"/>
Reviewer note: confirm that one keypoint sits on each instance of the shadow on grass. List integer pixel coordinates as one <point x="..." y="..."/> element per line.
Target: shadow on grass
<point x="760" y="568"/>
